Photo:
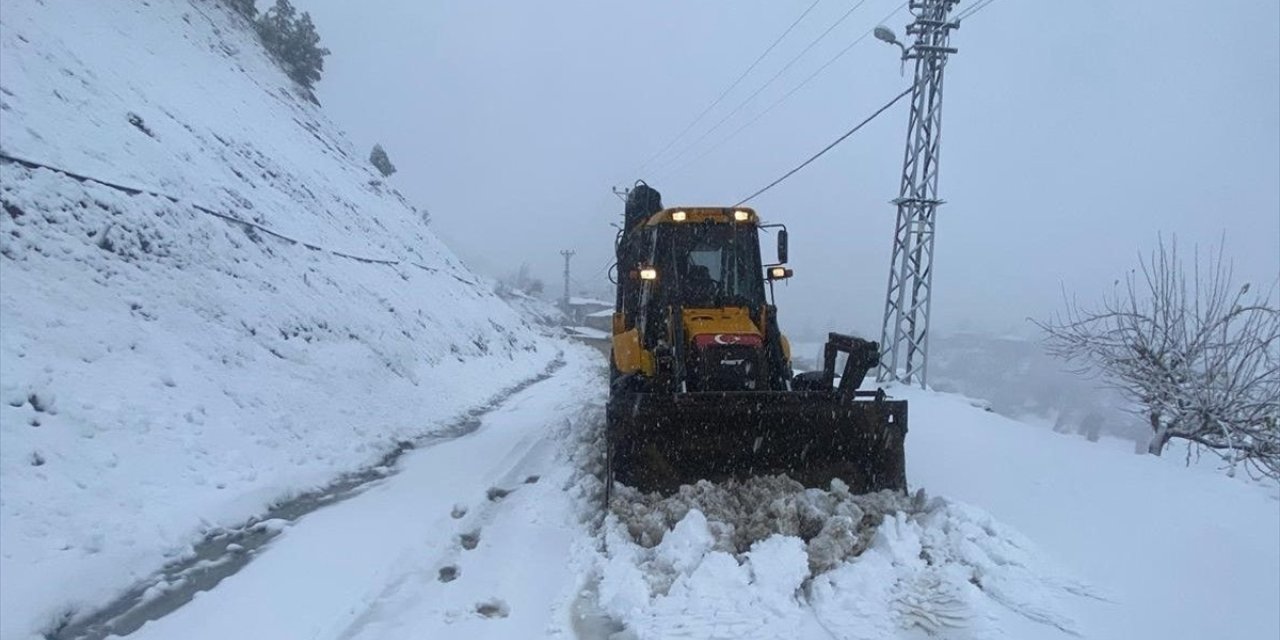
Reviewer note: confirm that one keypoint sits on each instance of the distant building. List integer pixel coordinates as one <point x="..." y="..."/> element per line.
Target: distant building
<point x="581" y="308"/>
<point x="591" y="321"/>
<point x="601" y="320"/>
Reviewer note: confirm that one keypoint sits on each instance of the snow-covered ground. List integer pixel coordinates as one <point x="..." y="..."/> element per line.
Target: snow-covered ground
<point x="1172" y="551"/>
<point x="501" y="534"/>
<point x="165" y="373"/>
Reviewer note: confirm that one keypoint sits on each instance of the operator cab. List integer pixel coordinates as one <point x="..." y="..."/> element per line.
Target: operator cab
<point x="709" y="264"/>
<point x="695" y="291"/>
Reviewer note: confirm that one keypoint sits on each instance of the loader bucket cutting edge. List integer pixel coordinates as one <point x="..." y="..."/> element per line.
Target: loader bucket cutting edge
<point x="658" y="442"/>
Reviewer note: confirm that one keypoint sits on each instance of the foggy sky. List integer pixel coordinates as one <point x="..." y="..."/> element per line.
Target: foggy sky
<point x="1073" y="134"/>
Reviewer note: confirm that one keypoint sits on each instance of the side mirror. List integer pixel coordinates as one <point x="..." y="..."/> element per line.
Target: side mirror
<point x="782" y="246"/>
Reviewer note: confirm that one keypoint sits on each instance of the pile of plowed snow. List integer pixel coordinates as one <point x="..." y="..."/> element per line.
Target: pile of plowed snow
<point x="768" y="558"/>
<point x="834" y="525"/>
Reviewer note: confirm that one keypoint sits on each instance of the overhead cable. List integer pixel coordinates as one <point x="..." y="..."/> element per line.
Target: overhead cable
<point x="731" y="87"/>
<point x="768" y="82"/>
<point x="788" y="94"/>
<point x="827" y="148"/>
<point x="979" y="6"/>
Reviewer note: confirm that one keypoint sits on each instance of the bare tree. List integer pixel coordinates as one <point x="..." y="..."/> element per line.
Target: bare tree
<point x="519" y="280"/>
<point x="1199" y="356"/>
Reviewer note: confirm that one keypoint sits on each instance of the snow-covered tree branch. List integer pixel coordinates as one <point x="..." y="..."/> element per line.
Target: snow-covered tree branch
<point x="1198" y="355"/>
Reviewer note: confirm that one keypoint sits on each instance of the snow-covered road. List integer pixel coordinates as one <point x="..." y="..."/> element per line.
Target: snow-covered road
<point x="471" y="535"/>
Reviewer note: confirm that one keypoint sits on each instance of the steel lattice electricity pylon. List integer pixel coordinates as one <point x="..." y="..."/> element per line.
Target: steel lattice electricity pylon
<point x="905" y="334"/>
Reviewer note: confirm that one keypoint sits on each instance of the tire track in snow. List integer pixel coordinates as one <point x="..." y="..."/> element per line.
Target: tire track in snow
<point x="369" y="567"/>
<point x="532" y="456"/>
<point x="224" y="552"/>
<point x="520" y="576"/>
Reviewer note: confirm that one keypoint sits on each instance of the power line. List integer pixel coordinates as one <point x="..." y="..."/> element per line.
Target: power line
<point x="768" y="82"/>
<point x="731" y="87"/>
<point x="828" y="147"/>
<point x="979" y="6"/>
<point x="971" y="11"/>
<point x="787" y="95"/>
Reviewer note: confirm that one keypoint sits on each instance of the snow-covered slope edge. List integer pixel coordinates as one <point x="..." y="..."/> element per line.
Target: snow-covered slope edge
<point x="163" y="371"/>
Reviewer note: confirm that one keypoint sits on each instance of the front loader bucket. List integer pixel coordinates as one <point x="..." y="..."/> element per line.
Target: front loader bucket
<point x="658" y="442"/>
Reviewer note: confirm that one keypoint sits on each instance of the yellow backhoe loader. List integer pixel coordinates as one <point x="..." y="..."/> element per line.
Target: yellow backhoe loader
<point x="701" y="384"/>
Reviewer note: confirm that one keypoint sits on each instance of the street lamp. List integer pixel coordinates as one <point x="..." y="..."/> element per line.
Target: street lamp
<point x="885" y="34"/>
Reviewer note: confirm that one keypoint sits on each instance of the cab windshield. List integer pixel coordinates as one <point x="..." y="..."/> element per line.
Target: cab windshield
<point x="714" y="265"/>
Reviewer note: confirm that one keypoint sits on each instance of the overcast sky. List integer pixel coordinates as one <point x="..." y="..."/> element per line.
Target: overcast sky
<point x="1074" y="133"/>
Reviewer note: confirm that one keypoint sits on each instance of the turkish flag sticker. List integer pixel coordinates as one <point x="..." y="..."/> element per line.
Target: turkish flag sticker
<point x="745" y="339"/>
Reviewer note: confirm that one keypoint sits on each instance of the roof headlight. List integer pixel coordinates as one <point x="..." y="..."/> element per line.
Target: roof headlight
<point x="741" y="216"/>
<point x="679" y="216"/>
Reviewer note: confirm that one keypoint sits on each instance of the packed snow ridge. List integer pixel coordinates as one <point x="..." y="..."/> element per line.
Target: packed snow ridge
<point x="766" y="556"/>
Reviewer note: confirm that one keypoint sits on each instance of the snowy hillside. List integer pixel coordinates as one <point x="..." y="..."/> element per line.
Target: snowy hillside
<point x="166" y="371"/>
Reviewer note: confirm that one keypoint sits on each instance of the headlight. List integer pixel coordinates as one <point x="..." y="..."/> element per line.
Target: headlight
<point x="679" y="216"/>
<point x="741" y="216"/>
<point x="648" y="273"/>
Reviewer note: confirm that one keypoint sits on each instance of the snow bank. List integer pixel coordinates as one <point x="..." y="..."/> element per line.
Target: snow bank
<point x="1175" y="551"/>
<point x="164" y="372"/>
<point x="767" y="558"/>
